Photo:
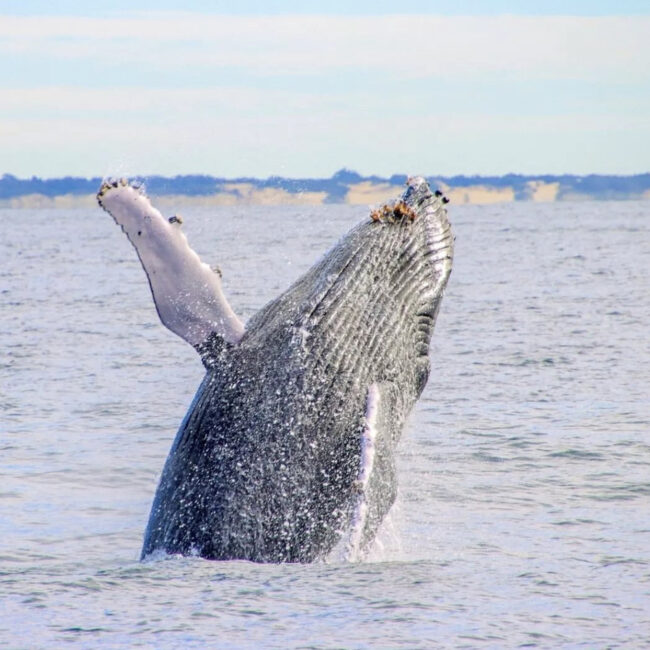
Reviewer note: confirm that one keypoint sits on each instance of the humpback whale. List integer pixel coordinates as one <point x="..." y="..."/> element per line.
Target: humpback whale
<point x="288" y="449"/>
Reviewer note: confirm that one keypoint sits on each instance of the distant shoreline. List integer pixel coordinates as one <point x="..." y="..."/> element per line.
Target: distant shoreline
<point x="345" y="186"/>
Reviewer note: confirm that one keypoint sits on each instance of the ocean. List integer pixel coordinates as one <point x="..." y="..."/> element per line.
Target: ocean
<point x="523" y="516"/>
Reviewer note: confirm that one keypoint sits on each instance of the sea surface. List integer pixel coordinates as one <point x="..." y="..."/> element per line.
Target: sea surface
<point x="523" y="518"/>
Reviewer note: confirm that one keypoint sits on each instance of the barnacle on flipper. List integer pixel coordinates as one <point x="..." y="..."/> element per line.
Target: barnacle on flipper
<point x="109" y="184"/>
<point x="393" y="213"/>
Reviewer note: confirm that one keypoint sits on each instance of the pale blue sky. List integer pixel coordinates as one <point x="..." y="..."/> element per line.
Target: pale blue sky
<point x="364" y="7"/>
<point x="305" y="88"/>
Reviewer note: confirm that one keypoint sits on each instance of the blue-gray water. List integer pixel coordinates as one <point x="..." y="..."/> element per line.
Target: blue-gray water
<point x="524" y="510"/>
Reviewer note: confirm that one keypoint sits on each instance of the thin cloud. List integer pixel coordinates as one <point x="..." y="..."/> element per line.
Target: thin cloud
<point x="410" y="45"/>
<point x="305" y="95"/>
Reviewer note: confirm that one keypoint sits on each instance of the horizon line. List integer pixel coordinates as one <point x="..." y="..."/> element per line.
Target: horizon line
<point x="339" y="172"/>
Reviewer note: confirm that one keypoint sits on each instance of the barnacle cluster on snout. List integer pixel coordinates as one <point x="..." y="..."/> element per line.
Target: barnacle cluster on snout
<point x="393" y="213"/>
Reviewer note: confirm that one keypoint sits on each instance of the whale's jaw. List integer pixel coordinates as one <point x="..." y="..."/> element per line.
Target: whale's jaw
<point x="289" y="444"/>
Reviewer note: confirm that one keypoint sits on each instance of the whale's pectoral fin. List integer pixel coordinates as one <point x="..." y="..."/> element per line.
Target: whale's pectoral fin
<point x="187" y="292"/>
<point x="376" y="486"/>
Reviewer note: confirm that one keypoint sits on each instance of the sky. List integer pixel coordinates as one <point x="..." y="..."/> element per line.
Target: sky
<point x="302" y="89"/>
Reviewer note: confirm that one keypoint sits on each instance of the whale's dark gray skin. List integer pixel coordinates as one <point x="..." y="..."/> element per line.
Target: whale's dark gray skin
<point x="289" y="444"/>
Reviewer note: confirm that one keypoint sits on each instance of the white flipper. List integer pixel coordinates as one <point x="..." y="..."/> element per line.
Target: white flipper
<point x="376" y="485"/>
<point x="187" y="292"/>
<point x="366" y="465"/>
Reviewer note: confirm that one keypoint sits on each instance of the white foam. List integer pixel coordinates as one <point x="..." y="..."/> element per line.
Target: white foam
<point x="187" y="292"/>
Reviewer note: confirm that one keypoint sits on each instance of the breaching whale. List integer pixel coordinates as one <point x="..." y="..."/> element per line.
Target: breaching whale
<point x="288" y="447"/>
